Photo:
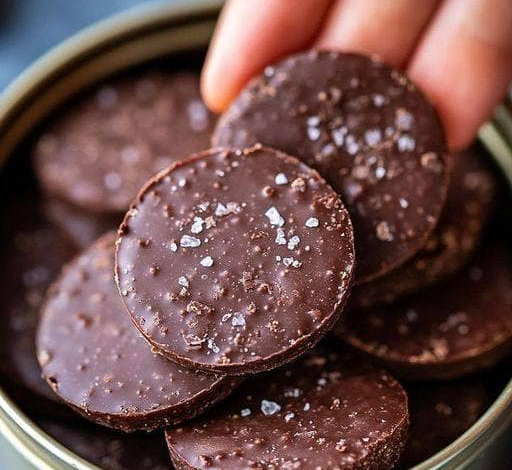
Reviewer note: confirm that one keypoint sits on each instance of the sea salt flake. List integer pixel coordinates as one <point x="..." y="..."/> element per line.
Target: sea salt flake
<point x="197" y="225"/>
<point x="212" y="346"/>
<point x="274" y="217"/>
<point x="307" y="407"/>
<point x="280" y="237"/>
<point x="281" y="179"/>
<point x="238" y="319"/>
<point x="378" y="100"/>
<point x="380" y="172"/>
<point x="404" y="204"/>
<point x="312" y="222"/>
<point x="229" y="208"/>
<point x="293" y="242"/>
<point x="313" y="121"/>
<point x="245" y="412"/>
<point x="183" y="281"/>
<point x="289" y="416"/>
<point x="173" y="247"/>
<point x="338" y="136"/>
<point x="372" y="137"/>
<point x="269" y="408"/>
<point x="207" y="262"/>
<point x="313" y="133"/>
<point x="182" y="182"/>
<point x="406" y="143"/>
<point x="189" y="242"/>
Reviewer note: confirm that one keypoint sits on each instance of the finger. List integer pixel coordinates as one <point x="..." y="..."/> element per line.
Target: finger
<point x="250" y="35"/>
<point x="387" y="28"/>
<point x="464" y="63"/>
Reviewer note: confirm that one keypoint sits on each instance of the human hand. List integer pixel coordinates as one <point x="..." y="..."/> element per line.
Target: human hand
<point x="459" y="52"/>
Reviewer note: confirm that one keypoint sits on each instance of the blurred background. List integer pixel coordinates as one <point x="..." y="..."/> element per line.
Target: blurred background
<point x="28" y="28"/>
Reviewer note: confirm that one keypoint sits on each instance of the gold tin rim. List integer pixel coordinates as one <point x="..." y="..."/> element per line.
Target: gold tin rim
<point x="109" y="46"/>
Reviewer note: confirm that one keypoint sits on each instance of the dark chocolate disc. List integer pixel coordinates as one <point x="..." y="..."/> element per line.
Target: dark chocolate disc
<point x="367" y="130"/>
<point x="83" y="227"/>
<point x="450" y="330"/>
<point x="33" y="251"/>
<point x="440" y="413"/>
<point x="327" y="410"/>
<point x="110" y="449"/>
<point x="98" y="363"/>
<point x="99" y="153"/>
<point x="235" y="261"/>
<point x="469" y="204"/>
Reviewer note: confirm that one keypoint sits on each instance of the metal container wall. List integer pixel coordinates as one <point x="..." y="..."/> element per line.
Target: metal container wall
<point x="125" y="41"/>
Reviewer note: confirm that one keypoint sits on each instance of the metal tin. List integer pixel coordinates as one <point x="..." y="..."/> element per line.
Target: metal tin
<point x="119" y="43"/>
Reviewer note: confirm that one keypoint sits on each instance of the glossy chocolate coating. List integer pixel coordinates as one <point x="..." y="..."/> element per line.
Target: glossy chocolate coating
<point x="109" y="449"/>
<point x="33" y="251"/>
<point x="469" y="205"/>
<point x="98" y="363"/>
<point x="235" y="261"/>
<point x="98" y="154"/>
<point x="450" y="330"/>
<point x="368" y="131"/>
<point x="327" y="410"/>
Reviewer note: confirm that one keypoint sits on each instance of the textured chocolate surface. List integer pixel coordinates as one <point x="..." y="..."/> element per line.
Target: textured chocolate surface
<point x="98" y="363"/>
<point x="99" y="153"/>
<point x="440" y="413"/>
<point x="111" y="450"/>
<point x="469" y="204"/>
<point x="447" y="331"/>
<point x="83" y="227"/>
<point x="235" y="261"/>
<point x="367" y="130"/>
<point x="33" y="251"/>
<point x="327" y="410"/>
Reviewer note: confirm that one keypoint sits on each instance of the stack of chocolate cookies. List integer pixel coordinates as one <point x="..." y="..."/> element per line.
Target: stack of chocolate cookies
<point x="259" y="297"/>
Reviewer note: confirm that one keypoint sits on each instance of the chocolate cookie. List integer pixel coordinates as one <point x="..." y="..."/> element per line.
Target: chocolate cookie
<point x="235" y="261"/>
<point x="453" y="329"/>
<point x="109" y="449"/>
<point x="96" y="361"/>
<point x="367" y="130"/>
<point x="83" y="227"/>
<point x="33" y="251"/>
<point x="440" y="413"/>
<point x="326" y="410"/>
<point x="98" y="154"/>
<point x="468" y="206"/>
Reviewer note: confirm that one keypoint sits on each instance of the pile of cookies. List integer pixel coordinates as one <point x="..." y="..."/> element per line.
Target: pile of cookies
<point x="259" y="297"/>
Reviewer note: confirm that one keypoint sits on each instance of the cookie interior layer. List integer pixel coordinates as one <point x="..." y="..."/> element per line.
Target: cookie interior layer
<point x="109" y="449"/>
<point x="235" y="261"/>
<point x="440" y="413"/>
<point x="33" y="251"/>
<point x="99" y="153"/>
<point x="447" y="331"/>
<point x="97" y="362"/>
<point x="367" y="130"/>
<point x="469" y="204"/>
<point x="326" y="411"/>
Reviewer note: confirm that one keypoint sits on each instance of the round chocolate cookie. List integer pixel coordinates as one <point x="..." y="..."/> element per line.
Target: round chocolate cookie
<point x="450" y="330"/>
<point x="367" y="130"/>
<point x="440" y="413"/>
<point x="33" y="252"/>
<point x="327" y="410"/>
<point x="109" y="449"/>
<point x="468" y="206"/>
<point x="235" y="261"/>
<point x="99" y="153"/>
<point x="97" y="362"/>
<point x="83" y="227"/>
